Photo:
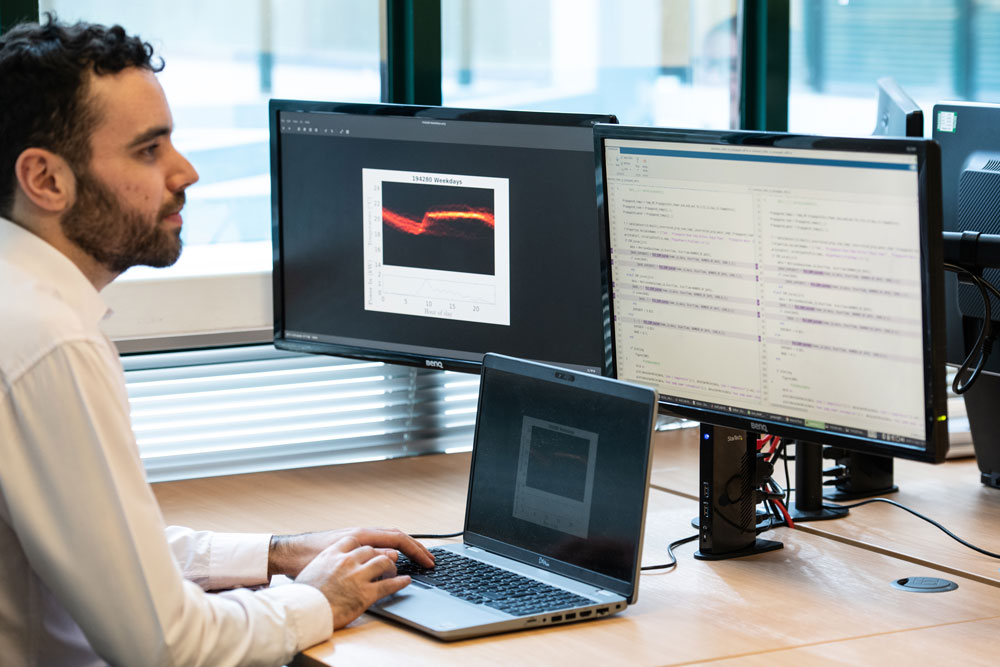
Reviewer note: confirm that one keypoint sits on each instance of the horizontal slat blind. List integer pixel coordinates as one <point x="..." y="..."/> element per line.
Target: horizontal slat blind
<point x="234" y="410"/>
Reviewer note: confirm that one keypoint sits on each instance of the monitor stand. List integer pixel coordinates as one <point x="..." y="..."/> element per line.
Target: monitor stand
<point x="981" y="404"/>
<point x="727" y="495"/>
<point x="808" y="504"/>
<point x="863" y="476"/>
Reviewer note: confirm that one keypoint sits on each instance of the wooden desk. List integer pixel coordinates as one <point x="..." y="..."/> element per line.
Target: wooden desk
<point x="816" y="591"/>
<point x="949" y="493"/>
<point x="423" y="494"/>
<point x="675" y="462"/>
<point x="951" y="644"/>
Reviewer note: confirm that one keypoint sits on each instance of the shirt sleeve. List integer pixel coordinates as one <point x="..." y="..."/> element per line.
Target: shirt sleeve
<point x="92" y="531"/>
<point x="220" y="560"/>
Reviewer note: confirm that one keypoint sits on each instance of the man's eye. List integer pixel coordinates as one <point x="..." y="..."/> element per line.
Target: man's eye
<point x="150" y="151"/>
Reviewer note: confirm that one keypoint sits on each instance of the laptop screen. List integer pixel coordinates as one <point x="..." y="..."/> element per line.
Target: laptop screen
<point x="560" y="470"/>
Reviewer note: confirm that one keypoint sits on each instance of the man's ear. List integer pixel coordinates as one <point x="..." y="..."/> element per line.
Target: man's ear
<point x="46" y="179"/>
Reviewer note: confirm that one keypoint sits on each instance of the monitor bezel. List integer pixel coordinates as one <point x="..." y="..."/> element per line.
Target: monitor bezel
<point x="375" y="353"/>
<point x="929" y="176"/>
<point x="894" y="104"/>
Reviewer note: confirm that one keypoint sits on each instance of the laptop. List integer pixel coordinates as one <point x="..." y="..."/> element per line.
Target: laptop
<point x="555" y="511"/>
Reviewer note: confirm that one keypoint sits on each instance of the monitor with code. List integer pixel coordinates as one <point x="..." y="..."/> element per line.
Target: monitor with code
<point x="783" y="284"/>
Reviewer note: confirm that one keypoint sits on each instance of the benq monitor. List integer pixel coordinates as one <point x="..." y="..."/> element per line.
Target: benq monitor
<point x="429" y="236"/>
<point x="780" y="284"/>
<point x="897" y="114"/>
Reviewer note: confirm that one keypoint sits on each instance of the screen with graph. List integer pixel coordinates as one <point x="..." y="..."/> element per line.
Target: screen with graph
<point x="430" y="236"/>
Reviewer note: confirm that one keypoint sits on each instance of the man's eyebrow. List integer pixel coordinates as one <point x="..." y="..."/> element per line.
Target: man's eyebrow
<point x="150" y="134"/>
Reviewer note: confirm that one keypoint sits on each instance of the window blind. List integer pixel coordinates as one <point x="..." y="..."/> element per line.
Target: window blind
<point x="247" y="409"/>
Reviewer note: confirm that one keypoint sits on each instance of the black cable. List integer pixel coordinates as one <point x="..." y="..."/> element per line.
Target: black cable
<point x="782" y="452"/>
<point x="788" y="479"/>
<point x="670" y="550"/>
<point x="774" y="517"/>
<point x="920" y="516"/>
<point x="984" y="342"/>
<point x="419" y="536"/>
<point x="779" y="450"/>
<point x="980" y="350"/>
<point x="992" y="288"/>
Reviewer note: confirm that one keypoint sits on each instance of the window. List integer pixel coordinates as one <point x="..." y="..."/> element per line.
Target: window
<point x="224" y="60"/>
<point x="659" y="62"/>
<point x="935" y="49"/>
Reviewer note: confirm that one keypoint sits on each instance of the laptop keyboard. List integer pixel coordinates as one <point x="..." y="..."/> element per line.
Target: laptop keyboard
<point x="480" y="583"/>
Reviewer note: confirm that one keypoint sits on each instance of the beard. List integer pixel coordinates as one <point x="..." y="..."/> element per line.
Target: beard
<point x="116" y="236"/>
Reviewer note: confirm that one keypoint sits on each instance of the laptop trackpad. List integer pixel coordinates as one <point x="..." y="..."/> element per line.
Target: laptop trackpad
<point x="436" y="609"/>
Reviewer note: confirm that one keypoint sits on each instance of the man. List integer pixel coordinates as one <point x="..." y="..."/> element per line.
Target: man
<point x="90" y="184"/>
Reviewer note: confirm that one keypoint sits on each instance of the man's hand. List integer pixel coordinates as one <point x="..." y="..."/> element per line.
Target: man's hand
<point x="350" y="575"/>
<point x="289" y="554"/>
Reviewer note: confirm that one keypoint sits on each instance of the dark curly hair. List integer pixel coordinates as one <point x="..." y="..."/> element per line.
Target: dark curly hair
<point x="44" y="74"/>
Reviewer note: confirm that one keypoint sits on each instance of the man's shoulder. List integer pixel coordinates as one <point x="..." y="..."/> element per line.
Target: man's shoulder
<point x="34" y="320"/>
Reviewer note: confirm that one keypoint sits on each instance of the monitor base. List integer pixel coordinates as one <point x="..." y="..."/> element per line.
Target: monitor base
<point x="808" y="504"/>
<point x="858" y="475"/>
<point x="843" y="496"/>
<point x="981" y="401"/>
<point x="821" y="514"/>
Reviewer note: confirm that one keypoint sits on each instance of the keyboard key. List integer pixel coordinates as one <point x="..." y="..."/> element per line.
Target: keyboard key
<point x="481" y="583"/>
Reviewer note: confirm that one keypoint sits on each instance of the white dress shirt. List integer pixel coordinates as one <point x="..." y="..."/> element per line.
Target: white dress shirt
<point x="88" y="571"/>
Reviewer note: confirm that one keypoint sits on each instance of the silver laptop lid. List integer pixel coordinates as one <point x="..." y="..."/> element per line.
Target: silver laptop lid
<point x="560" y="471"/>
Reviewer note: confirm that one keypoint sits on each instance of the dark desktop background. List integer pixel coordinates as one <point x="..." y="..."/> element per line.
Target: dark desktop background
<point x="555" y="284"/>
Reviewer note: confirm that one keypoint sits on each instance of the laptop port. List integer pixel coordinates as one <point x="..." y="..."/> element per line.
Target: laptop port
<point x="585" y="613"/>
<point x="603" y="611"/>
<point x="556" y="619"/>
<point x="570" y="616"/>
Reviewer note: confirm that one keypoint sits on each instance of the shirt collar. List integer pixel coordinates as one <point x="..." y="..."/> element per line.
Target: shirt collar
<point x="34" y="256"/>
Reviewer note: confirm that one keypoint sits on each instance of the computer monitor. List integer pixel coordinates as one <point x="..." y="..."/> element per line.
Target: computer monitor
<point x="897" y="115"/>
<point x="780" y="284"/>
<point x="429" y="236"/>
<point x="969" y="136"/>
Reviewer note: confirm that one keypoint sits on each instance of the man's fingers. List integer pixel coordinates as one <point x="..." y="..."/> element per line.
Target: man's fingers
<point x="396" y="539"/>
<point x="377" y="567"/>
<point x="364" y="553"/>
<point x="389" y="586"/>
<point x="345" y="544"/>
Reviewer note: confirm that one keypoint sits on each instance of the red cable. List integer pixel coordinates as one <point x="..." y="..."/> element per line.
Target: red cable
<point x="788" y="517"/>
<point x="776" y="442"/>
